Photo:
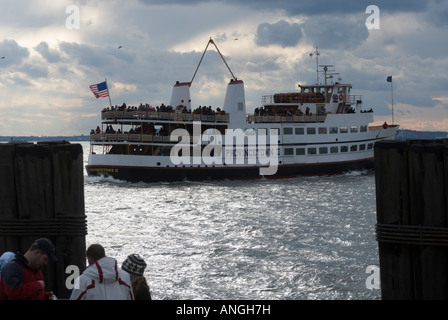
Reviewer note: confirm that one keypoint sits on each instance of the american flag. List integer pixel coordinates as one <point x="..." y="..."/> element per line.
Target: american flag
<point x="100" y="90"/>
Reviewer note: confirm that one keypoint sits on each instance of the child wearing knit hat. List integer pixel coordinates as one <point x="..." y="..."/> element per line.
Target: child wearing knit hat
<point x="135" y="266"/>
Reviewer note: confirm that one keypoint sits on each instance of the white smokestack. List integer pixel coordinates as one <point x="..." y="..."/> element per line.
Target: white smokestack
<point x="181" y="95"/>
<point x="235" y="103"/>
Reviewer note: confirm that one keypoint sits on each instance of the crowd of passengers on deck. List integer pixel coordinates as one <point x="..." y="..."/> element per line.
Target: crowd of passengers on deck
<point x="146" y="129"/>
<point x="297" y="112"/>
<point x="164" y="108"/>
<point x="283" y="112"/>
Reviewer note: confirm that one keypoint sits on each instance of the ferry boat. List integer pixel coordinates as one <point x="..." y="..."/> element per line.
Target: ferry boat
<point x="319" y="129"/>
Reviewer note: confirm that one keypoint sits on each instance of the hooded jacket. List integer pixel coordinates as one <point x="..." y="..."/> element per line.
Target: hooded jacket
<point x="103" y="280"/>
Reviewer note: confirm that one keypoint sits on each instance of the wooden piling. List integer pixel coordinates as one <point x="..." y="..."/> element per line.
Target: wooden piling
<point x="42" y="195"/>
<point x="412" y="214"/>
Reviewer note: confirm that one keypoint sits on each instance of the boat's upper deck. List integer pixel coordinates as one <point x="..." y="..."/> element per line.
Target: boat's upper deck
<point x="135" y="114"/>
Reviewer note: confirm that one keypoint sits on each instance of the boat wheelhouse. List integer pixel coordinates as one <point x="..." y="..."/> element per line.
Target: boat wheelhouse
<point x="320" y="129"/>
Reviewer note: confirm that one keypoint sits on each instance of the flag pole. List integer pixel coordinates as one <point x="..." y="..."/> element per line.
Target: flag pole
<point x="108" y="93"/>
<point x="389" y="79"/>
<point x="392" y="95"/>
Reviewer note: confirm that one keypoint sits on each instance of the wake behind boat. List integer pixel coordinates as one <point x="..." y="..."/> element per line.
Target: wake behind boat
<point x="320" y="129"/>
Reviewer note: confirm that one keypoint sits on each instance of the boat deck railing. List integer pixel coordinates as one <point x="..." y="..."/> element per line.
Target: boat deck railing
<point x="127" y="137"/>
<point x="134" y="138"/>
<point x="353" y="98"/>
<point x="164" y="116"/>
<point x="389" y="126"/>
<point x="272" y="100"/>
<point x="287" y="119"/>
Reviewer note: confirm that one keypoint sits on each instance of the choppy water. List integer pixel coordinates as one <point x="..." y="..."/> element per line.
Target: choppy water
<point x="300" y="238"/>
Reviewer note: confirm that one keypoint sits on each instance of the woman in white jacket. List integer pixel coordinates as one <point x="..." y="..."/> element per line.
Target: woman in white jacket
<point x="103" y="279"/>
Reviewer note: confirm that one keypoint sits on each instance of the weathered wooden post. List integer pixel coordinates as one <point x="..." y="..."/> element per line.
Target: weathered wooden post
<point x="42" y="195"/>
<point x="411" y="193"/>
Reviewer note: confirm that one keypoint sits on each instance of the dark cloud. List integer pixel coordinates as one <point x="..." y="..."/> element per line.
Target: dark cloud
<point x="330" y="32"/>
<point x="19" y="81"/>
<point x="281" y="33"/>
<point x="50" y="55"/>
<point x="85" y="55"/>
<point x="437" y="13"/>
<point x="335" y="32"/>
<point x="14" y="53"/>
<point x="34" y="71"/>
<point x="342" y="7"/>
<point x="316" y="7"/>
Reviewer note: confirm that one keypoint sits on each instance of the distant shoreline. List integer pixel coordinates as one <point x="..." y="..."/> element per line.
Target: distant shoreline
<point x="43" y="138"/>
<point x="402" y="135"/>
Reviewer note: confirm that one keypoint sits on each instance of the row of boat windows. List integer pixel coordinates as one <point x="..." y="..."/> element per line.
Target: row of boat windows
<point x="310" y="130"/>
<point x="324" y="130"/>
<point x="326" y="150"/>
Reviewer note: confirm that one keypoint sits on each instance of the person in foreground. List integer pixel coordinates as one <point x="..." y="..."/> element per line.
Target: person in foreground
<point x="22" y="278"/>
<point x="103" y="279"/>
<point x="135" y="266"/>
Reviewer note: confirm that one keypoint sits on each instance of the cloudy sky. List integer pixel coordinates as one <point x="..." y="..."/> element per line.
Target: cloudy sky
<point x="52" y="57"/>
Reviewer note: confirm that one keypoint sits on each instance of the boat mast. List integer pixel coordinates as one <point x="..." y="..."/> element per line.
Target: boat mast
<point x="317" y="54"/>
<point x="203" y="54"/>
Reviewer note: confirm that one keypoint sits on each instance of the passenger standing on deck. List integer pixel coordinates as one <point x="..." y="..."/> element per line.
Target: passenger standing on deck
<point x="103" y="279"/>
<point x="135" y="266"/>
<point x="22" y="278"/>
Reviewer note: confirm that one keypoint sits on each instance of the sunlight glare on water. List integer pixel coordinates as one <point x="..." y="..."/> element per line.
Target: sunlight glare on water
<point x="299" y="238"/>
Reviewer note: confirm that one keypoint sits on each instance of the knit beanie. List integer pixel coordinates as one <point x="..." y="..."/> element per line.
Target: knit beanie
<point x="134" y="264"/>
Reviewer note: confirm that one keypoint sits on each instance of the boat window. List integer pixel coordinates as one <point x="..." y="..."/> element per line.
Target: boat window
<point x="322" y="130"/>
<point x="312" y="151"/>
<point x="249" y="132"/>
<point x="370" y="146"/>
<point x="343" y="130"/>
<point x="299" y="130"/>
<point x="363" y="129"/>
<point x="240" y="106"/>
<point x="323" y="150"/>
<point x="330" y="90"/>
<point x="310" y="130"/>
<point x="334" y="149"/>
<point x="344" y="149"/>
<point x="287" y="130"/>
<point x="289" y="151"/>
<point x="354" y="129"/>
<point x="300" y="151"/>
<point x="262" y="132"/>
<point x="354" y="148"/>
<point x="333" y="130"/>
<point x="362" y="147"/>
<point x="274" y="132"/>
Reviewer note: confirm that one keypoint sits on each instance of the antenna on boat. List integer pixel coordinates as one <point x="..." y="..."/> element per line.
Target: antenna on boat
<point x="317" y="54"/>
<point x="203" y="54"/>
<point x="328" y="67"/>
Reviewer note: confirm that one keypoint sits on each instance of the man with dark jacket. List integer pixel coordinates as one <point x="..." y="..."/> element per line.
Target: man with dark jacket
<point x="22" y="278"/>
